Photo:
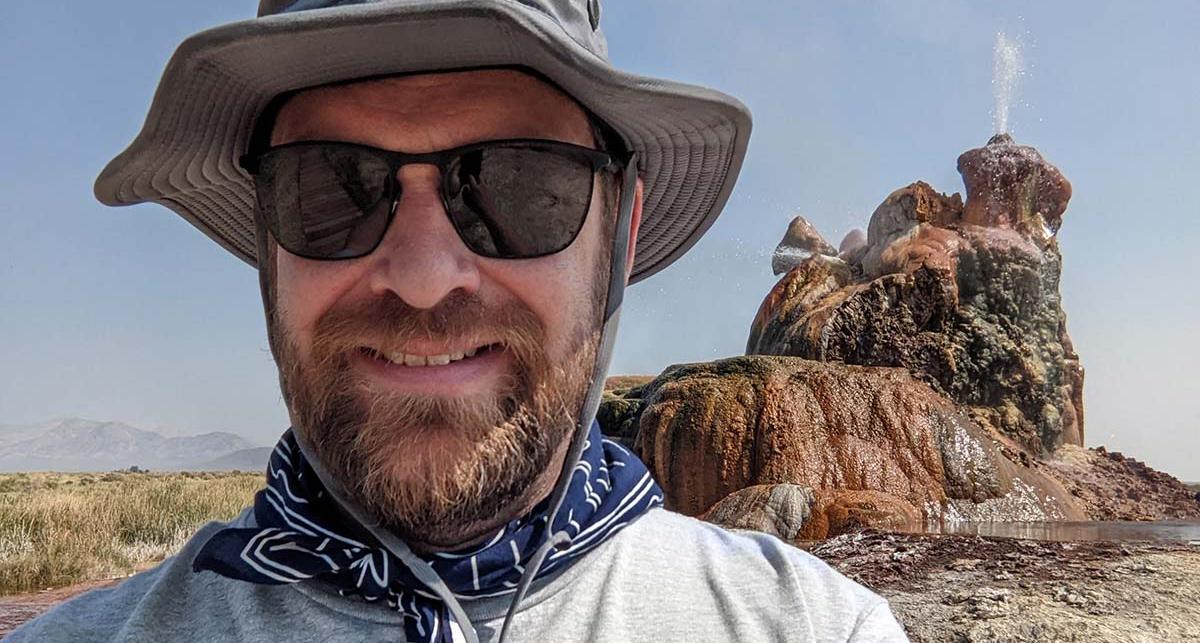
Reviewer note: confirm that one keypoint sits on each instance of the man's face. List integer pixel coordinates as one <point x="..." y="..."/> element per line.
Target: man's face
<point x="439" y="451"/>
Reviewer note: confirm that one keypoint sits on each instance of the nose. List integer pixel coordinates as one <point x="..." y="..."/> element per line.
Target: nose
<point x="421" y="258"/>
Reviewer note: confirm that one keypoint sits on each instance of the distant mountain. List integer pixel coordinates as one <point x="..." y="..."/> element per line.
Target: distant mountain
<point x="76" y="444"/>
<point x="10" y="433"/>
<point x="254" y="459"/>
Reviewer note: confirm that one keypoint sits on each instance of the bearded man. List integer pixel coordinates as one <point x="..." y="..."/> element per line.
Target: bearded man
<point x="445" y="201"/>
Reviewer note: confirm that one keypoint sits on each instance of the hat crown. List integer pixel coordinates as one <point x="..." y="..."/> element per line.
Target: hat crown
<point x="580" y="19"/>
<point x="690" y="141"/>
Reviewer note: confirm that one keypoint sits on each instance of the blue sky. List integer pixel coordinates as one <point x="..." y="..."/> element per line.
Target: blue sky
<point x="132" y="315"/>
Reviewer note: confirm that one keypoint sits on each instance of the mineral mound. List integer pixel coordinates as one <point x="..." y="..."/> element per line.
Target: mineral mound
<point x="965" y="297"/>
<point x="805" y="449"/>
<point x="921" y="373"/>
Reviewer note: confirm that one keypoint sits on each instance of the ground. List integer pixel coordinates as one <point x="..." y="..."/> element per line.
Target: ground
<point x="16" y="609"/>
<point x="972" y="589"/>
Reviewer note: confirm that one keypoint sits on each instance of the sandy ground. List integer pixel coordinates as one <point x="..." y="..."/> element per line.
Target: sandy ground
<point x="972" y="589"/>
<point x="18" y="608"/>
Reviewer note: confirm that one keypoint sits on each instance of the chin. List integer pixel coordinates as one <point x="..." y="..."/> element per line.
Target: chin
<point x="422" y="453"/>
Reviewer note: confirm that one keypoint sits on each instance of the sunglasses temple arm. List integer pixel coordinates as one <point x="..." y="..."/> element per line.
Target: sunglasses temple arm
<point x="621" y="240"/>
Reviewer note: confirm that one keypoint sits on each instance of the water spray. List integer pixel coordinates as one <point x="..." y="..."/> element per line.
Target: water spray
<point x="1007" y="68"/>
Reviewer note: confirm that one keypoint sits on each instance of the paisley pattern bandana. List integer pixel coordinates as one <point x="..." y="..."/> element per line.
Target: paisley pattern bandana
<point x="300" y="536"/>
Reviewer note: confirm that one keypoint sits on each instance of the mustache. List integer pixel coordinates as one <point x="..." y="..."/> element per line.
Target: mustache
<point x="388" y="324"/>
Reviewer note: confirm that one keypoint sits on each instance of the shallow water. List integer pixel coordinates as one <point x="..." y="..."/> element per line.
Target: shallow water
<point x="1158" y="531"/>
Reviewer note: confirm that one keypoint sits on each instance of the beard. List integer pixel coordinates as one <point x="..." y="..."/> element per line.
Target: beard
<point x="432" y="469"/>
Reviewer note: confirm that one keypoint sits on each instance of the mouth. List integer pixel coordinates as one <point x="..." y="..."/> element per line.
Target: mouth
<point x="458" y="372"/>
<point x="417" y="360"/>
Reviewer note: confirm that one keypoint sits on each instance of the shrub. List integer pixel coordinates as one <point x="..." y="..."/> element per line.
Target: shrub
<point x="52" y="534"/>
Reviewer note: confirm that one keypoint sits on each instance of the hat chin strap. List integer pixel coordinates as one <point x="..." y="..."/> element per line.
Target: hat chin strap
<point x="587" y="413"/>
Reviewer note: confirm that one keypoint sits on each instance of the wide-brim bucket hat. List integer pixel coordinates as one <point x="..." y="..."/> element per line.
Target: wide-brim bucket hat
<point x="690" y="140"/>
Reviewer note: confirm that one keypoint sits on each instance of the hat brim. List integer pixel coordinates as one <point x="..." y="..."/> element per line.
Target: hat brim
<point x="690" y="140"/>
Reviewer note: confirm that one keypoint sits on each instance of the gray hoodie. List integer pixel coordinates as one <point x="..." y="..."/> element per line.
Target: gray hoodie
<point x="666" y="577"/>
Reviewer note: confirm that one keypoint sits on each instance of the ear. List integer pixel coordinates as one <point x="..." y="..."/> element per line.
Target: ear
<point x="635" y="221"/>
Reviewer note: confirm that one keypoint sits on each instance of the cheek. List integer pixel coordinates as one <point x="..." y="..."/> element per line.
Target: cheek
<point x="305" y="290"/>
<point x="547" y="286"/>
<point x="558" y="288"/>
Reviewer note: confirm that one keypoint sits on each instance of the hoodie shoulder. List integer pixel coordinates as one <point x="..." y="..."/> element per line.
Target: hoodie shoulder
<point x="747" y="583"/>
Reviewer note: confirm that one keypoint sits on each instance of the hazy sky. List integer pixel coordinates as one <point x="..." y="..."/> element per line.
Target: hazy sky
<point x="133" y="315"/>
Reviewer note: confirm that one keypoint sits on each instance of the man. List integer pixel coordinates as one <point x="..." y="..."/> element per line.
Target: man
<point x="445" y="201"/>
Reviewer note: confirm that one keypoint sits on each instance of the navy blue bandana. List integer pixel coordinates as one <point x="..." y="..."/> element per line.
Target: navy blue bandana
<point x="300" y="536"/>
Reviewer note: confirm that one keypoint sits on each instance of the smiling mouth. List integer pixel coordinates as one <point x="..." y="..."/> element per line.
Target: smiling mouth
<point x="399" y="358"/>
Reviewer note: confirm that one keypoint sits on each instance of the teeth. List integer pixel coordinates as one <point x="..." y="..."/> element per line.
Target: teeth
<point x="425" y="360"/>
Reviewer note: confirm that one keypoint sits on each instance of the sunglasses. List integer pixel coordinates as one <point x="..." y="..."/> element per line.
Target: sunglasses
<point x="507" y="199"/>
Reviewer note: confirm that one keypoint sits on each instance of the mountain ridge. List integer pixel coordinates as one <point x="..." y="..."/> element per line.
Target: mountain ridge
<point x="80" y="444"/>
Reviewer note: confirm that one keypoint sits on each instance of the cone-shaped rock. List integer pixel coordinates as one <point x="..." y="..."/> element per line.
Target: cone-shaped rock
<point x="1013" y="186"/>
<point x="800" y="242"/>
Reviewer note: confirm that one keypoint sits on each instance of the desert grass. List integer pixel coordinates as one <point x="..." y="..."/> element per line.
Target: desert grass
<point x="57" y="529"/>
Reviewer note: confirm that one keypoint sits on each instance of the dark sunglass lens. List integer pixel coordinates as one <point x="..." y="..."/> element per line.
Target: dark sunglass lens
<point x="324" y="201"/>
<point x="518" y="202"/>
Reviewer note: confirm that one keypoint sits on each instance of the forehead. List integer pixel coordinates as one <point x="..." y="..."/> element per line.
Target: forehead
<point x="427" y="112"/>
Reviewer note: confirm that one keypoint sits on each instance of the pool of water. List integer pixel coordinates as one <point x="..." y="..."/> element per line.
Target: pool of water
<point x="1159" y="531"/>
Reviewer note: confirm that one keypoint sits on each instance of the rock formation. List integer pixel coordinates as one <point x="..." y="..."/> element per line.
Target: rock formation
<point x="870" y="446"/>
<point x="963" y="296"/>
<point x="1113" y="487"/>
<point x="850" y="244"/>
<point x="782" y="510"/>
<point x="621" y="407"/>
<point x="800" y="242"/>
<point x="919" y="372"/>
<point x="1012" y="186"/>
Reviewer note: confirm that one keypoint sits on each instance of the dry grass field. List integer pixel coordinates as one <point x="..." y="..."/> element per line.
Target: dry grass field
<point x="62" y="528"/>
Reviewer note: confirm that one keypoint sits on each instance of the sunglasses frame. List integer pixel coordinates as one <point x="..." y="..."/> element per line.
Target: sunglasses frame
<point x="599" y="161"/>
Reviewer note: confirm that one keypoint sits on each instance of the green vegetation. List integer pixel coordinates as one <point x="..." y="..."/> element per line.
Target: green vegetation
<point x="62" y="528"/>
